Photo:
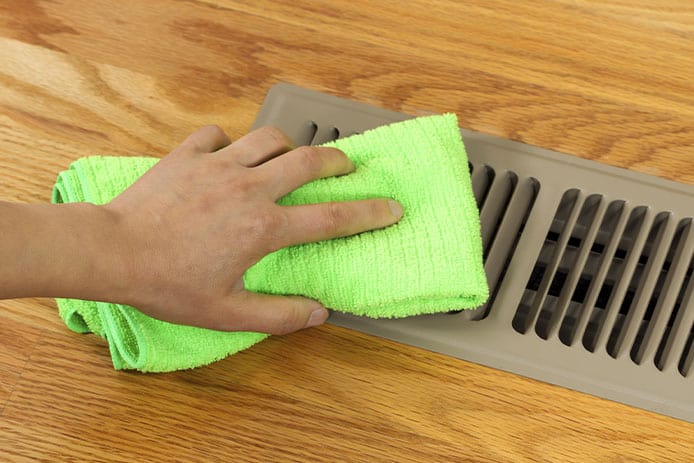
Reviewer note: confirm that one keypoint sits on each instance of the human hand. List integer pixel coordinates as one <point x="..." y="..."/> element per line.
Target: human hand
<point x="187" y="231"/>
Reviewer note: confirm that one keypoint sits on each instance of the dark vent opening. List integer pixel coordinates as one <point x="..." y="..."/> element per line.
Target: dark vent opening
<point x="495" y="207"/>
<point x="685" y="364"/>
<point x="612" y="345"/>
<point x="672" y="324"/>
<point x="325" y="134"/>
<point x="506" y="240"/>
<point x="596" y="284"/>
<point x="614" y="289"/>
<point x="482" y="178"/>
<point x="636" y="294"/>
<point x="306" y="134"/>
<point x="542" y="276"/>
<point x="674" y="321"/>
<point x="674" y="346"/>
<point x="687" y="357"/>
<point x="667" y="295"/>
<point x="568" y="286"/>
<point x="578" y="285"/>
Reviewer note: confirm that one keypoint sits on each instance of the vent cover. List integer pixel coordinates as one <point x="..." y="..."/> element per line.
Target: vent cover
<point x="589" y="266"/>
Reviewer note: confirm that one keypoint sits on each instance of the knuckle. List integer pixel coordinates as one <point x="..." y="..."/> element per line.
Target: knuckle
<point x="213" y="130"/>
<point x="287" y="321"/>
<point x="292" y="317"/>
<point x="309" y="159"/>
<point x="276" y="134"/>
<point x="234" y="318"/>
<point x="241" y="185"/>
<point x="268" y="226"/>
<point x="335" y="218"/>
<point x="280" y="318"/>
<point x="197" y="140"/>
<point x="263" y="223"/>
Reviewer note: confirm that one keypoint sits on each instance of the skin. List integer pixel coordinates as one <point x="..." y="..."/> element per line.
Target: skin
<point x="177" y="242"/>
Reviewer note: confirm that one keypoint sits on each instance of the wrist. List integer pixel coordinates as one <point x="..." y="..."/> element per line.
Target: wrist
<point x="92" y="253"/>
<point x="60" y="250"/>
<point x="109" y="255"/>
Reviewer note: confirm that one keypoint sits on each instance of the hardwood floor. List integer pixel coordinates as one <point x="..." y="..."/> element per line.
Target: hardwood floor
<point x="604" y="80"/>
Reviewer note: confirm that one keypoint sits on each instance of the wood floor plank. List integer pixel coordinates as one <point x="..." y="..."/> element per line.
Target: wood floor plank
<point x="605" y="80"/>
<point x="275" y="403"/>
<point x="17" y="340"/>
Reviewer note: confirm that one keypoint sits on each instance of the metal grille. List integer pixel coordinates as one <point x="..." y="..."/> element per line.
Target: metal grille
<point x="612" y="277"/>
<point x="589" y="266"/>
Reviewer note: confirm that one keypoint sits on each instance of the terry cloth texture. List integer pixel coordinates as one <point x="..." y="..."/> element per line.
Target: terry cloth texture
<point x="429" y="262"/>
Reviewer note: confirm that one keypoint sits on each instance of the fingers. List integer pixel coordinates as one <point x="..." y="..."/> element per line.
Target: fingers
<point x="206" y="139"/>
<point x="259" y="146"/>
<point x="317" y="222"/>
<point x="275" y="314"/>
<point x="270" y="151"/>
<point x="302" y="165"/>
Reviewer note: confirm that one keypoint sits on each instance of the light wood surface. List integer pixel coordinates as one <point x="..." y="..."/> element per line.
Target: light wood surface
<point x="608" y="81"/>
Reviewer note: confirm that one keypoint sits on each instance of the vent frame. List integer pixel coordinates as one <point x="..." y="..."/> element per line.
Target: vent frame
<point x="652" y="376"/>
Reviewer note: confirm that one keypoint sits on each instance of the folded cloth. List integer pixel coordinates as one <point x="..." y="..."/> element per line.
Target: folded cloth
<point x="429" y="262"/>
<point x="136" y="341"/>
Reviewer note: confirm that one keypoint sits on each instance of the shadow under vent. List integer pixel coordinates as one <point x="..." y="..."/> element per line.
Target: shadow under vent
<point x="589" y="266"/>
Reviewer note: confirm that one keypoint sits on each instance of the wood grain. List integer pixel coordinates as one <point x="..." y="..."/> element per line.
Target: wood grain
<point x="604" y="80"/>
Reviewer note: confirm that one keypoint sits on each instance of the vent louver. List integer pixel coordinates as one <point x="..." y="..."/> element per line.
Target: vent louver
<point x="590" y="267"/>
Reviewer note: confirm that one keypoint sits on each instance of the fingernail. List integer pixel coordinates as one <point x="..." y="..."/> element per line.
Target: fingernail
<point x="395" y="208"/>
<point x="318" y="317"/>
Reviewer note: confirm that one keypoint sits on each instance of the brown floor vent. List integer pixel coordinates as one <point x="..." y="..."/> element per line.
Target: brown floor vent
<point x="590" y="266"/>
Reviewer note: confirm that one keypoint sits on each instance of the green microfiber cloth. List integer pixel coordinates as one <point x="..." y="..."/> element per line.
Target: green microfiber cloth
<point x="431" y="261"/>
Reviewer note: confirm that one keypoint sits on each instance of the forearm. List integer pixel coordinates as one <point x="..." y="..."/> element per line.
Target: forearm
<point x="58" y="251"/>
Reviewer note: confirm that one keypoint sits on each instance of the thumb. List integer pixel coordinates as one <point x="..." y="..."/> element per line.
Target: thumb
<point x="276" y="314"/>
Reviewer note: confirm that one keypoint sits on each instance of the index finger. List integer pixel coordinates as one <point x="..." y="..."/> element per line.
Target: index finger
<point x="316" y="222"/>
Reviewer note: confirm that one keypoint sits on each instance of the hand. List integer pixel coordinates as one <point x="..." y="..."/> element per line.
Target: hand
<point x="191" y="226"/>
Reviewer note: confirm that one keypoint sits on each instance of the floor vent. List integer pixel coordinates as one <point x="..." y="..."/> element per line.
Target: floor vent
<point x="589" y="266"/>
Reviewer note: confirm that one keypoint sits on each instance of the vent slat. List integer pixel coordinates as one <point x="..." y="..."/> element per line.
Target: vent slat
<point x="668" y="296"/>
<point x="481" y="179"/>
<point x="620" y="290"/>
<point x="324" y="134"/>
<point x="306" y="134"/>
<point x="651" y="273"/>
<point x="598" y="280"/>
<point x="495" y="205"/>
<point x="506" y="239"/>
<point x="553" y="265"/>
<point x="574" y="275"/>
<point x="685" y="365"/>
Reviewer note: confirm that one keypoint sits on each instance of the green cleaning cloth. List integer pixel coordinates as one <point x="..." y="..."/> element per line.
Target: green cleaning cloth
<point x="431" y="261"/>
